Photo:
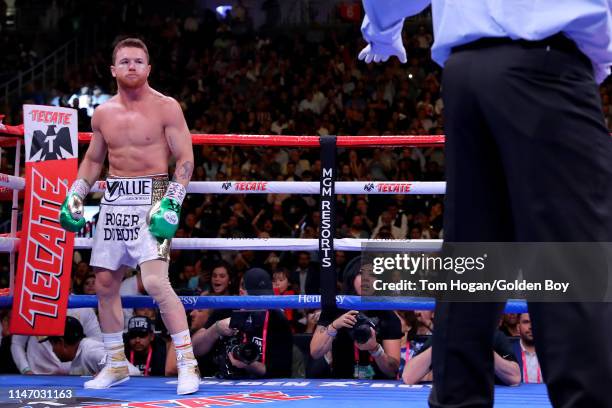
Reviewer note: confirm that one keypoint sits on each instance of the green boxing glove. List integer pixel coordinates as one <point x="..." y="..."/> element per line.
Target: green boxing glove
<point x="163" y="217"/>
<point x="71" y="213"/>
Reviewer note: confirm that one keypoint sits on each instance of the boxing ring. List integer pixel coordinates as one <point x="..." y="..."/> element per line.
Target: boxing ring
<point x="298" y="392"/>
<point x="160" y="392"/>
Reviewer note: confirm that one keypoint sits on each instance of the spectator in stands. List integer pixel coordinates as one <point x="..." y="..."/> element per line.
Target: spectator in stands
<point x="283" y="286"/>
<point x="272" y="261"/>
<point x="188" y="277"/>
<point x="199" y="317"/>
<point x="358" y="228"/>
<point x="525" y="352"/>
<point x="281" y="283"/>
<point x="217" y="335"/>
<point x="221" y="280"/>
<point x="83" y="355"/>
<point x="89" y="285"/>
<point x="80" y="274"/>
<point x="145" y="350"/>
<point x="305" y="275"/>
<point x="378" y="357"/>
<point x="386" y="220"/>
<point x="509" y="324"/>
<point x="507" y="372"/>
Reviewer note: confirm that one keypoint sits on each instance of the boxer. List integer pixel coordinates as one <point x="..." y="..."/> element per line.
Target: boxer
<point x="139" y="128"/>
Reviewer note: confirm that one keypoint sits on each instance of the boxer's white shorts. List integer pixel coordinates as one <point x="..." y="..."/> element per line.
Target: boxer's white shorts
<point x="122" y="235"/>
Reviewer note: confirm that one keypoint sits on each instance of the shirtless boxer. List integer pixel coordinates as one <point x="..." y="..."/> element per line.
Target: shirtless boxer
<point x="139" y="128"/>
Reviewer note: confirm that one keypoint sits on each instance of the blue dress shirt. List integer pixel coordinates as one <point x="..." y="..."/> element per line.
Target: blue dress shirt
<point x="587" y="22"/>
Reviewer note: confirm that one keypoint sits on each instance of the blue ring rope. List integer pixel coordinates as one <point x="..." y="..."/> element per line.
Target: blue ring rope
<point x="273" y="302"/>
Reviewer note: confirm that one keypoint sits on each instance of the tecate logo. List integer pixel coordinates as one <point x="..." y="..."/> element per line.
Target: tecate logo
<point x="41" y="284"/>
<point x="251" y="186"/>
<point x="394" y="187"/>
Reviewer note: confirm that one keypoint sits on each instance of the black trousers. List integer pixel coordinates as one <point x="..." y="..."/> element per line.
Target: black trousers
<point x="528" y="159"/>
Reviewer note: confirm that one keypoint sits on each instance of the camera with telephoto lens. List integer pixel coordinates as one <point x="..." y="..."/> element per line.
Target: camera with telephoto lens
<point x="249" y="325"/>
<point x="361" y="332"/>
<point x="244" y="352"/>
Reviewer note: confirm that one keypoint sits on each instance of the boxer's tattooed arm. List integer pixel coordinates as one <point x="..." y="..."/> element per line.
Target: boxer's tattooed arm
<point x="183" y="172"/>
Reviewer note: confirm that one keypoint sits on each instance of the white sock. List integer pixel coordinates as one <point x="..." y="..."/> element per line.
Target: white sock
<point x="184" y="350"/>
<point x="112" y="338"/>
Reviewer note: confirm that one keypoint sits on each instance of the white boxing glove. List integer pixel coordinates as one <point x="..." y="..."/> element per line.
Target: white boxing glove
<point x="382" y="44"/>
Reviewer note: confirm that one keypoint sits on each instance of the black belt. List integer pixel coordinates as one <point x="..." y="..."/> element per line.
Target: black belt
<point x="558" y="42"/>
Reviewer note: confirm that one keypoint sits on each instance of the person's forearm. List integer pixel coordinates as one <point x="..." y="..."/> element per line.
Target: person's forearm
<point x="507" y="371"/>
<point x="204" y="339"/>
<point x="18" y="344"/>
<point x="256" y="368"/>
<point x="387" y="364"/>
<point x="183" y="169"/>
<point x="321" y="342"/>
<point x="417" y="367"/>
<point x="90" y="170"/>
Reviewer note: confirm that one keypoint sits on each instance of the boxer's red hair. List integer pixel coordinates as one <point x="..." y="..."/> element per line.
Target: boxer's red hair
<point x="130" y="42"/>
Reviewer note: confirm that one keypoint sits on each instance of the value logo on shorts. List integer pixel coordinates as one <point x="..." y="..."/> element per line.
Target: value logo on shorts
<point x="128" y="191"/>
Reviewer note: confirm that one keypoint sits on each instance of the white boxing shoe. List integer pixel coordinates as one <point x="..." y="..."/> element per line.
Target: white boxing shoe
<point x="188" y="379"/>
<point x="108" y="377"/>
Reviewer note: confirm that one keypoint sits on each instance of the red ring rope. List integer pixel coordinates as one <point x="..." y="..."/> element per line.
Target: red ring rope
<point x="268" y="140"/>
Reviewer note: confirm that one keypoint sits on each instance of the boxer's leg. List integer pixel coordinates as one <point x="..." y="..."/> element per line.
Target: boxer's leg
<point x="154" y="275"/>
<point x="155" y="281"/>
<point x="111" y="322"/>
<point x="109" y="300"/>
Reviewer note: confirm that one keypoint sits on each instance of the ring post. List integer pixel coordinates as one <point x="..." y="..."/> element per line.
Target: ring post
<point x="327" y="226"/>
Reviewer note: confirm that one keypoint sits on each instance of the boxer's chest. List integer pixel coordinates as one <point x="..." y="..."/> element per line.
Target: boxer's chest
<point x="133" y="128"/>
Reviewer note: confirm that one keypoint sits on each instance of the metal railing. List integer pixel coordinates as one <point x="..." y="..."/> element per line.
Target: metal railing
<point x="45" y="71"/>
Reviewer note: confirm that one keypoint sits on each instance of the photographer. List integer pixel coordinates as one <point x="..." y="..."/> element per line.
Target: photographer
<point x="363" y="345"/>
<point x="248" y="343"/>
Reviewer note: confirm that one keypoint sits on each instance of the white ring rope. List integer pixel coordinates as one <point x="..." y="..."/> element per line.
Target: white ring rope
<point x="280" y="187"/>
<point x="308" y="187"/>
<point x="8" y="244"/>
<point x="12" y="182"/>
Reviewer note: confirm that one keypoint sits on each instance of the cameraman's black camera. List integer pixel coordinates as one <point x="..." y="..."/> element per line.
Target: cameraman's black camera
<point x="249" y="324"/>
<point x="361" y="330"/>
<point x="244" y="352"/>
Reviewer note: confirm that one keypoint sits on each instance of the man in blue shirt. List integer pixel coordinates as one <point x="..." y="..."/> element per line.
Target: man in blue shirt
<point x="528" y="159"/>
